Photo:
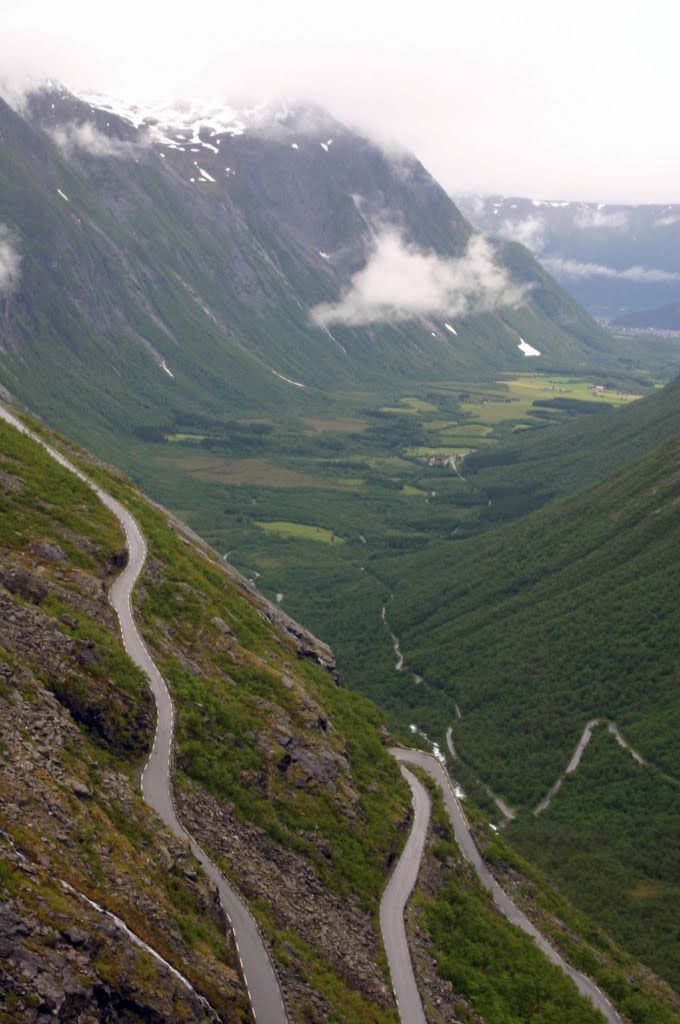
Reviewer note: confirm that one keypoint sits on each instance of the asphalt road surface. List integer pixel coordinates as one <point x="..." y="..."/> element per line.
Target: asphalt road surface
<point x="432" y="766"/>
<point x="265" y="995"/>
<point x="394" y="903"/>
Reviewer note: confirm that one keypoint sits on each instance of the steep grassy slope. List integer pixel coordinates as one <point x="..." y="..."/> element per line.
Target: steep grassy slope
<point x="280" y="773"/>
<point x="273" y="758"/>
<point x="76" y="718"/>
<point x="578" y="599"/>
<point x="533" y="629"/>
<point x="619" y="822"/>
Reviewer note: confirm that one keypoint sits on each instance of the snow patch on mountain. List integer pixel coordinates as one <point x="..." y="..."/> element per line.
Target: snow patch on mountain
<point x="179" y="122"/>
<point x="527" y="349"/>
<point x="288" y="380"/>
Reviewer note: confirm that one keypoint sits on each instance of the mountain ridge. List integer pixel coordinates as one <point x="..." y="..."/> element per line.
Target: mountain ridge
<point x="614" y="258"/>
<point x="147" y="284"/>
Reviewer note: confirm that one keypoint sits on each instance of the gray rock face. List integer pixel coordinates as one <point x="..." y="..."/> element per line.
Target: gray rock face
<point x="49" y="551"/>
<point x="221" y="626"/>
<point x="314" y="764"/>
<point x="88" y="655"/>
<point x="25" y="584"/>
<point x="60" y="959"/>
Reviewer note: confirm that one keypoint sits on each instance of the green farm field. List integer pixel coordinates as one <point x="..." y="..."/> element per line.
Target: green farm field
<point x="300" y="531"/>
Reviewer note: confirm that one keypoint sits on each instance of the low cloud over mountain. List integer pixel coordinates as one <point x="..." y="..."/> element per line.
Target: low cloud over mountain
<point x="87" y="138"/>
<point x="401" y="281"/>
<point x="10" y="261"/>
<point x="574" y="268"/>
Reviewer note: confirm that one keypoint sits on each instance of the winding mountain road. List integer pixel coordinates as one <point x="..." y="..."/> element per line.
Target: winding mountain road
<point x="613" y="730"/>
<point x="467" y="846"/>
<point x="266" y="999"/>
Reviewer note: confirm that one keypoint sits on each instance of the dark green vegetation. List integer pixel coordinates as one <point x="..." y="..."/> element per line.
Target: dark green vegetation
<point x="245" y="700"/>
<point x="533" y="468"/>
<point x="533" y="629"/>
<point x="574" y="608"/>
<point x="498" y="969"/>
<point x="380" y="481"/>
<point x="555" y="600"/>
<point x="620" y="822"/>
<point x="189" y="601"/>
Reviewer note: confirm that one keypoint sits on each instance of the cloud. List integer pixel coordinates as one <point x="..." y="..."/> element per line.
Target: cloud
<point x="572" y="268"/>
<point x="400" y="282"/>
<point x="90" y="140"/>
<point x="529" y="232"/>
<point x="667" y="222"/>
<point x="10" y="261"/>
<point x="589" y="218"/>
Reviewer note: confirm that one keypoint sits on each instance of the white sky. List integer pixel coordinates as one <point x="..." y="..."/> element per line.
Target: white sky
<point x="575" y="100"/>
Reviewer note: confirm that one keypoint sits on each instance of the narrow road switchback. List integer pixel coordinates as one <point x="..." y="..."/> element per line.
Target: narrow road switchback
<point x="466" y="843"/>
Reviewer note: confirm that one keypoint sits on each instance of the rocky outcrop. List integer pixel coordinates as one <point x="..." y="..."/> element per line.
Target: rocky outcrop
<point x="339" y="931"/>
<point x="70" y="813"/>
<point x="49" y="551"/>
<point x="306" y="644"/>
<point x="256" y="723"/>
<point x="84" y="973"/>
<point x="25" y="584"/>
<point x="61" y="959"/>
<point x="119" y="720"/>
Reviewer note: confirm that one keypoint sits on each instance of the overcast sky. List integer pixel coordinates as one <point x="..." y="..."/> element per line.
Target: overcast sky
<point x="574" y="100"/>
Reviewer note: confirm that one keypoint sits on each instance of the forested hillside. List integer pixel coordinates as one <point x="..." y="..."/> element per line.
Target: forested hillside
<point x="532" y="630"/>
<point x="576" y="601"/>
